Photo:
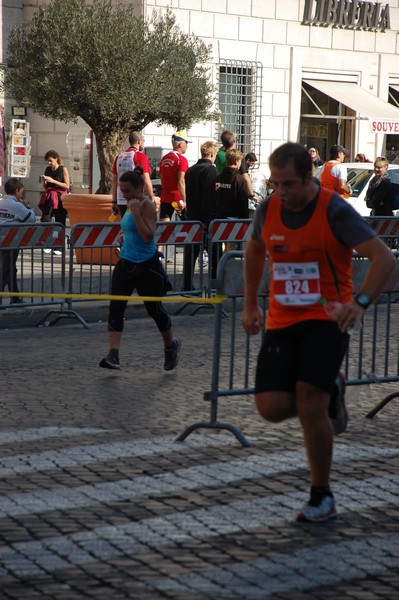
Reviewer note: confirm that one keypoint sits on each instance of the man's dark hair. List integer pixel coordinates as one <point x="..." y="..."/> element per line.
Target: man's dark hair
<point x="134" y="137"/>
<point x="132" y="177"/>
<point x="12" y="185"/>
<point x="295" y="154"/>
<point x="251" y="156"/>
<point x="228" y="138"/>
<point x="335" y="150"/>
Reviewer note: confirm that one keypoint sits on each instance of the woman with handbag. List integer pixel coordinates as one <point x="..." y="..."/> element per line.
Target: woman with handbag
<point x="56" y="181"/>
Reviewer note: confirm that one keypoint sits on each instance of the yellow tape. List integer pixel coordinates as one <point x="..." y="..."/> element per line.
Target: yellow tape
<point x="190" y="299"/>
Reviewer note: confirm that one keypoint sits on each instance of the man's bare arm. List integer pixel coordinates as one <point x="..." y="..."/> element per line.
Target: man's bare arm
<point x="114" y="187"/>
<point x="344" y="188"/>
<point x="149" y="190"/>
<point x="248" y="183"/>
<point x="254" y="265"/>
<point x="181" y="185"/>
<point x="382" y="264"/>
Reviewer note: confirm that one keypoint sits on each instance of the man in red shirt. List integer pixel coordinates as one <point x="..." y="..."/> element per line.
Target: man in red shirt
<point x="127" y="161"/>
<point x="172" y="169"/>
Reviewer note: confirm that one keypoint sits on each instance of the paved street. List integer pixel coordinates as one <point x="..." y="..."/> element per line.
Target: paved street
<point x="98" y="500"/>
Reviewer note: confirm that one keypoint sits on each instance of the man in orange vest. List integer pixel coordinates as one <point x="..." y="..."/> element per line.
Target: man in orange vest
<point x="300" y="228"/>
<point x="334" y="174"/>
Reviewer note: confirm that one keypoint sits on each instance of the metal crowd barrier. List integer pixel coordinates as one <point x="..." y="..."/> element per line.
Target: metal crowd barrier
<point x="94" y="250"/>
<point x="223" y="234"/>
<point x="38" y="251"/>
<point x="44" y="264"/>
<point x="182" y="237"/>
<point x="387" y="228"/>
<point x="384" y="226"/>
<point x="373" y="355"/>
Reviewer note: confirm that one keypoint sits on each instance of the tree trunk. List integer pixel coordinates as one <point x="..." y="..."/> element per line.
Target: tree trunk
<point x="109" y="145"/>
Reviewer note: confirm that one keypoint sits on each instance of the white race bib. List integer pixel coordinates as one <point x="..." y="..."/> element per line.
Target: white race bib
<point x="296" y="284"/>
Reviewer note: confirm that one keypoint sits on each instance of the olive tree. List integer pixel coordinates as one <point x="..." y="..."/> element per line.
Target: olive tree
<point x="116" y="71"/>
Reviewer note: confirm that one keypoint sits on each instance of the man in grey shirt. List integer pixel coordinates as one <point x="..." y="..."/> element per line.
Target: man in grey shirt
<point x="14" y="210"/>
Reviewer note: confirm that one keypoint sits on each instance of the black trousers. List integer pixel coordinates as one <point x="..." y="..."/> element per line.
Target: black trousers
<point x="8" y="275"/>
<point x="190" y="255"/>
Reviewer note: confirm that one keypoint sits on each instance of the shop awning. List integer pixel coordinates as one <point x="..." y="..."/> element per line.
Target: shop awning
<point x="383" y="117"/>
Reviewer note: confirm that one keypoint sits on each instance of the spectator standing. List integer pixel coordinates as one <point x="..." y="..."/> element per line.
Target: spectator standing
<point x="303" y="348"/>
<point x="251" y="159"/>
<point x="56" y="182"/>
<point x="14" y="210"/>
<point x="381" y="191"/>
<point x="334" y="174"/>
<point x="200" y="180"/>
<point x="231" y="199"/>
<point x="229" y="141"/>
<point x="126" y="161"/>
<point x="314" y="155"/>
<point x="172" y="170"/>
<point x="138" y="268"/>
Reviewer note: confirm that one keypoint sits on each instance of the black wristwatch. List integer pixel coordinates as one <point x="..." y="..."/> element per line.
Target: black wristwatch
<point x="363" y="300"/>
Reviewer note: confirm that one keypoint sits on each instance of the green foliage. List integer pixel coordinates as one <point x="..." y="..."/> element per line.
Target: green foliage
<point x="115" y="71"/>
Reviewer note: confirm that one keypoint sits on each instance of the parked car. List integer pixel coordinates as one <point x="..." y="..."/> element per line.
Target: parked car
<point x="359" y="175"/>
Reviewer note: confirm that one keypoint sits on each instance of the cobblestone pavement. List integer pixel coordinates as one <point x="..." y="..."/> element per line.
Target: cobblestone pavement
<point x="98" y="500"/>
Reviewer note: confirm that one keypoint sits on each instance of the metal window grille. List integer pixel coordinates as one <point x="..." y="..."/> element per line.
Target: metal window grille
<point x="240" y="102"/>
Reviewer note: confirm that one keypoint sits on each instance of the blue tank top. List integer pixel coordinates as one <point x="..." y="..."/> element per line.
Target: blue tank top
<point x="134" y="248"/>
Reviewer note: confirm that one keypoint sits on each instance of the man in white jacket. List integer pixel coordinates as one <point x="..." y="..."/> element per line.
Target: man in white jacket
<point x="14" y="210"/>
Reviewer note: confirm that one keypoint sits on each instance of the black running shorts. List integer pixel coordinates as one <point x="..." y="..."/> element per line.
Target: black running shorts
<point x="310" y="351"/>
<point x="166" y="210"/>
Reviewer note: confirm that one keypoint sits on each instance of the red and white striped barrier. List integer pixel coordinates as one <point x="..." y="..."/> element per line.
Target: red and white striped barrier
<point x="86" y="235"/>
<point x="230" y="230"/>
<point x="100" y="235"/>
<point x="31" y="236"/>
<point x="179" y="232"/>
<point x="384" y="226"/>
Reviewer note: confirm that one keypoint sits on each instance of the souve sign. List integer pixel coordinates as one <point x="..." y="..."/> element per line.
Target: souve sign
<point x="347" y="14"/>
<point x="384" y="126"/>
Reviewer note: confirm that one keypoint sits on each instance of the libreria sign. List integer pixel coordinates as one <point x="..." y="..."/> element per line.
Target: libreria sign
<point x="347" y="14"/>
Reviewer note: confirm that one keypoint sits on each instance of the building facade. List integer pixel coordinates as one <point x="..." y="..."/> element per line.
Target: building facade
<point x="319" y="72"/>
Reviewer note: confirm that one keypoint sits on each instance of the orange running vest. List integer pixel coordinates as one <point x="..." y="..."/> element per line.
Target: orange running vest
<point x="328" y="180"/>
<point x="306" y="264"/>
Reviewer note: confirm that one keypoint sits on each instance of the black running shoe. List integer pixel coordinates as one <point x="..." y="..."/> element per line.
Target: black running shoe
<point x="110" y="362"/>
<point x="172" y="355"/>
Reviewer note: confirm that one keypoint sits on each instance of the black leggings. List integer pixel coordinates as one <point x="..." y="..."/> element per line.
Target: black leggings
<point x="59" y="214"/>
<point x="149" y="279"/>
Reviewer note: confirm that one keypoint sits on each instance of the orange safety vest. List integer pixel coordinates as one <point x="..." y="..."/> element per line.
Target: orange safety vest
<point x="329" y="181"/>
<point x="306" y="264"/>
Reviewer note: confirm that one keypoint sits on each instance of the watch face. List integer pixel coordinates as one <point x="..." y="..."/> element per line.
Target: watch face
<point x="363" y="300"/>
